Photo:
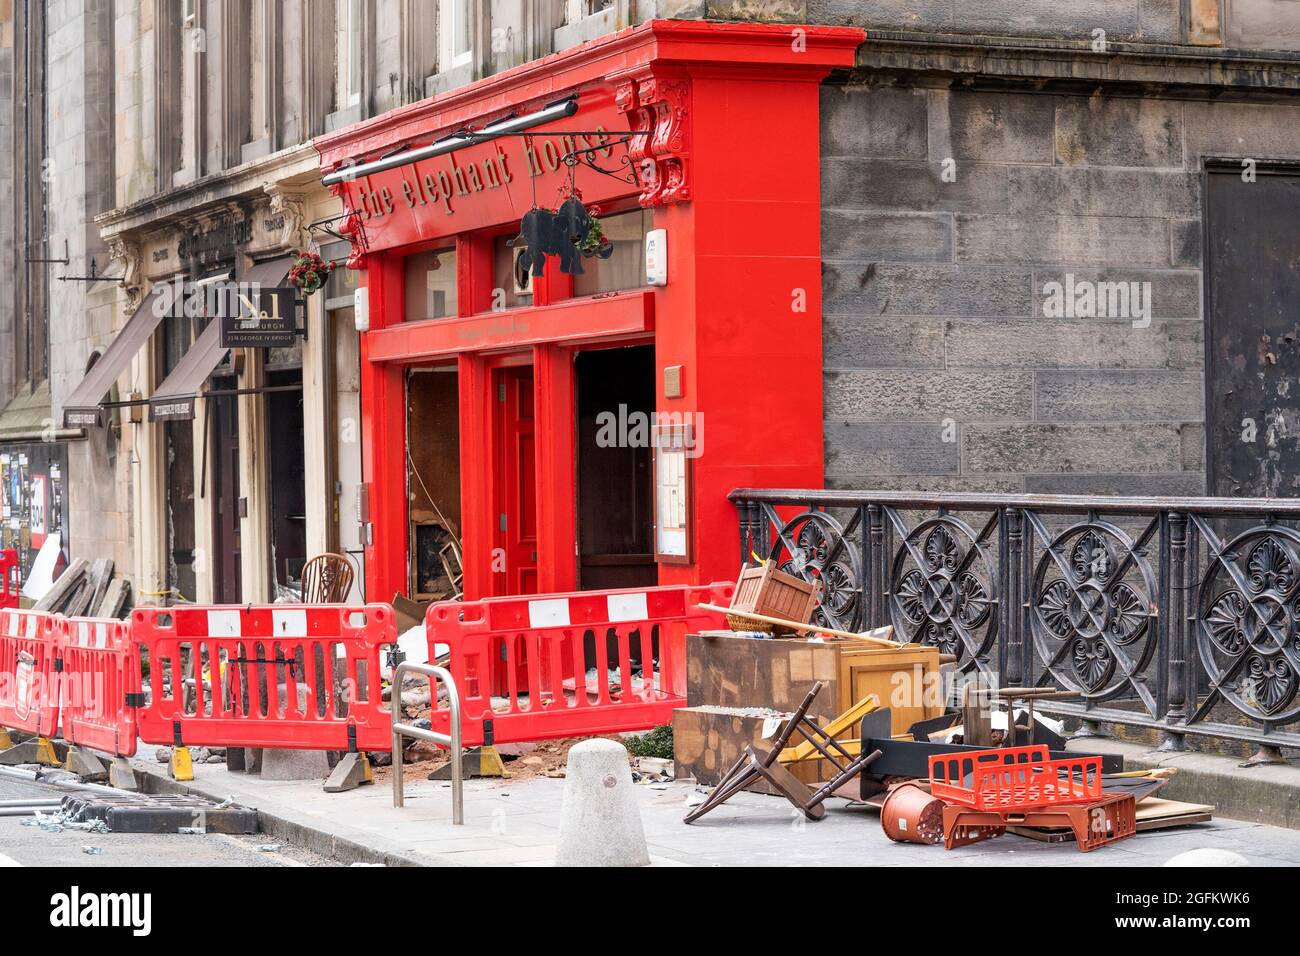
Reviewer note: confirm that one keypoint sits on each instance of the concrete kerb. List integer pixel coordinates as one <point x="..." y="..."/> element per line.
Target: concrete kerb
<point x="292" y="827"/>
<point x="1269" y="793"/>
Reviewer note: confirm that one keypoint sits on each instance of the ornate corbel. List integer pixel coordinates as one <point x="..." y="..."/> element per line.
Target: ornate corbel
<point x="661" y="158"/>
<point x="294" y="234"/>
<point x="128" y="253"/>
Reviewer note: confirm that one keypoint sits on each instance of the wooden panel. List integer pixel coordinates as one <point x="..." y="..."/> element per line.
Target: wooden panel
<point x="906" y="681"/>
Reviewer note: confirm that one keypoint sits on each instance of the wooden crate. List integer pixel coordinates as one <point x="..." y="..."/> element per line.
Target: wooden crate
<point x="726" y="669"/>
<point x="765" y="590"/>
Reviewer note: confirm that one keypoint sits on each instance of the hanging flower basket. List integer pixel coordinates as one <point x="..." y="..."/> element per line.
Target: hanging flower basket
<point x="595" y="242"/>
<point x="309" y="272"/>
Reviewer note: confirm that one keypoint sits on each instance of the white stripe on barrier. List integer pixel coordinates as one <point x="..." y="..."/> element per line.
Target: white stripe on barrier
<point x="13" y="624"/>
<point x="31" y="627"/>
<point x="83" y="634"/>
<point x="552" y="613"/>
<point x="223" y="624"/>
<point x="101" y="634"/>
<point x="289" y="622"/>
<point x="627" y="607"/>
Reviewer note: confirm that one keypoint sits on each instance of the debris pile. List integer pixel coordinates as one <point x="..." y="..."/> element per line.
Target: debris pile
<point x="88" y="589"/>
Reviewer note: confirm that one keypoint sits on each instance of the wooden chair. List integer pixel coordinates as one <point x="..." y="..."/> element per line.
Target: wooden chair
<point x="326" y="579"/>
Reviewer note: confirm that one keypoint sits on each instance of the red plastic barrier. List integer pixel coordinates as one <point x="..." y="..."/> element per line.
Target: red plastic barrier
<point x="29" y="692"/>
<point x="293" y="676"/>
<point x="536" y="649"/>
<point x="1014" y="778"/>
<point x="101" y="684"/>
<point x="9" y="578"/>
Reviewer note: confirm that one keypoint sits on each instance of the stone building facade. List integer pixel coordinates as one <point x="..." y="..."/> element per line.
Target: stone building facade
<point x="56" y="298"/>
<point x="987" y="168"/>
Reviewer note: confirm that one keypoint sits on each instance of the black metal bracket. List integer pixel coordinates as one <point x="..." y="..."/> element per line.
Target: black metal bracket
<point x="135" y="700"/>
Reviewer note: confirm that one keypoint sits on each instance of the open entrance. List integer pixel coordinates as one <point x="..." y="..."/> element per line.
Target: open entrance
<point x="226" y="586"/>
<point x="433" y="482"/>
<point x="285" y="447"/>
<point x="616" y="400"/>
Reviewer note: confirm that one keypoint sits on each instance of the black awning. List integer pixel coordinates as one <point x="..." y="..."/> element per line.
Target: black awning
<point x="176" y="397"/>
<point x="83" y="406"/>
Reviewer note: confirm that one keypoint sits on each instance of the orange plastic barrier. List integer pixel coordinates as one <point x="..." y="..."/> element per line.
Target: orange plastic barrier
<point x="535" y="651"/>
<point x="9" y="578"/>
<point x="100" y="696"/>
<point x="1014" y="778"/>
<point x="29" y="692"/>
<point x="301" y="677"/>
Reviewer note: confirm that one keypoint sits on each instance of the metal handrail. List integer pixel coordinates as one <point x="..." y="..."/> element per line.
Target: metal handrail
<point x="451" y="740"/>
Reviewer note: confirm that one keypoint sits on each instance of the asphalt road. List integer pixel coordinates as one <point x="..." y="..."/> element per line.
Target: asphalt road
<point x="31" y="846"/>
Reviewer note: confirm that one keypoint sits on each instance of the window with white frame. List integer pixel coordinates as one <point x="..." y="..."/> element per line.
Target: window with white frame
<point x="455" y="34"/>
<point x="350" y="13"/>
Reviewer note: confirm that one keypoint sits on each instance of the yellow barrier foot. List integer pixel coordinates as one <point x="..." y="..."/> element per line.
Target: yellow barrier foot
<point x="349" y="773"/>
<point x="478" y="762"/>
<point x="39" y="750"/>
<point x="85" y="764"/>
<point x="5" y="740"/>
<point x="181" y="766"/>
<point x="46" y="754"/>
<point x="122" y="775"/>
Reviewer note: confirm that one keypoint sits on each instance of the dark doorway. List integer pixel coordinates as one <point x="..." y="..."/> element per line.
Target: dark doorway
<point x="516" y="486"/>
<point x="284" y="439"/>
<point x="1253" y="332"/>
<point x="616" y="400"/>
<point x="433" y="479"/>
<point x="226" y="580"/>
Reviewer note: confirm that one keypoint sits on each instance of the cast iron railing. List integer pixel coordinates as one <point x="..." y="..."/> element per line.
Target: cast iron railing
<point x="1180" y="615"/>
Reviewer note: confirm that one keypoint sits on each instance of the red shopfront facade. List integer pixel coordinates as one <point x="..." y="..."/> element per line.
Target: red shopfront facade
<point x="729" y="170"/>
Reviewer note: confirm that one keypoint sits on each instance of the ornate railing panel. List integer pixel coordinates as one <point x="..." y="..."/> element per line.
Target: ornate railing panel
<point x="1175" y="614"/>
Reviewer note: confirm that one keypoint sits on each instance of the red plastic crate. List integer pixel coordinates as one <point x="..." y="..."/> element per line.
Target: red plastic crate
<point x="1112" y="818"/>
<point x="1014" y="778"/>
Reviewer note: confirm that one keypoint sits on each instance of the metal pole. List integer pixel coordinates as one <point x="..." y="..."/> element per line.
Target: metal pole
<point x="453" y="741"/>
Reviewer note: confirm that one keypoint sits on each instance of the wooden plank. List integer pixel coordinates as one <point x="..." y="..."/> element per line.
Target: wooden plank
<point x="78" y="602"/>
<point x="116" y="599"/>
<point x="64" y="588"/>
<point x="101" y="574"/>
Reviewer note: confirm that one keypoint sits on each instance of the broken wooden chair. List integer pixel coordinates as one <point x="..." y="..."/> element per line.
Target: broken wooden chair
<point x="756" y="763"/>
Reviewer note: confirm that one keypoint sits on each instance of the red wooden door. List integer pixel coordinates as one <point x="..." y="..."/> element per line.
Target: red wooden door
<point x="515" y="565"/>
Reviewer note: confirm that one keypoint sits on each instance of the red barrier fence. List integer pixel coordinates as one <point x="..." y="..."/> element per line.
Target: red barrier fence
<point x="101" y="694"/>
<point x="290" y="676"/>
<point x="29" y="694"/>
<point x="522" y="663"/>
<point x="10" y="571"/>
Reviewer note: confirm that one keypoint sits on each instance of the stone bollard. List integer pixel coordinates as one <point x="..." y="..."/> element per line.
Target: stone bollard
<point x="600" y="823"/>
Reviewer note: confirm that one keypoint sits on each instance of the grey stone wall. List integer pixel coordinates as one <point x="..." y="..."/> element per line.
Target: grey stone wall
<point x="946" y="365"/>
<point x="80" y="185"/>
<point x="1145" y="21"/>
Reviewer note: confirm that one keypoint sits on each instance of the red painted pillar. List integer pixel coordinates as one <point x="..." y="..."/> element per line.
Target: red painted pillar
<point x="557" y="560"/>
<point x="383" y="440"/>
<point x="477" y="481"/>
<point x="742" y="309"/>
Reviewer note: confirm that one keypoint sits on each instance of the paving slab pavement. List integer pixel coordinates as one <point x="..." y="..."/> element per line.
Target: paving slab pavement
<point x="516" y="823"/>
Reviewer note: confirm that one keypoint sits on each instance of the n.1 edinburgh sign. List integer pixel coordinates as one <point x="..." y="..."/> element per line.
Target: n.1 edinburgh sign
<point x="252" y="316"/>
<point x="261" y="318"/>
